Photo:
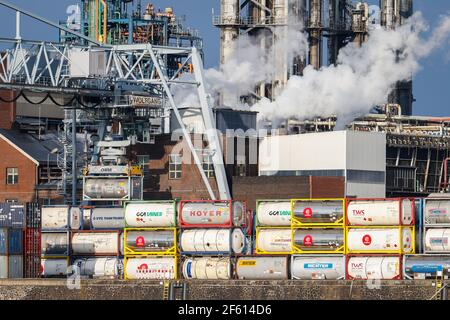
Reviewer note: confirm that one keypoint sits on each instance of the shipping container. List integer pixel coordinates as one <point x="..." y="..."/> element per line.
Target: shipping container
<point x="436" y="240"/>
<point x="151" y="268"/>
<point x="212" y="241"/>
<point x="12" y="215"/>
<point x="374" y="267"/>
<point x="112" y="188"/>
<point x="262" y="268"/>
<point x="3" y="266"/>
<point x="15" y="242"/>
<point x="61" y="218"/>
<point x="106" y="218"/>
<point x="107" y="267"/>
<point x="3" y="241"/>
<point x="318" y="267"/>
<point x="33" y="215"/>
<point x="207" y="268"/>
<point x="158" y="241"/>
<point x="319" y="240"/>
<point x="150" y="214"/>
<point x="98" y="243"/>
<point x="54" y="268"/>
<point x="273" y="240"/>
<point x="317" y="212"/>
<point x="55" y="244"/>
<point x="381" y="212"/>
<point x="436" y="212"/>
<point x="425" y="266"/>
<point x="273" y="213"/>
<point x="212" y="214"/>
<point x="15" y="266"/>
<point x="32" y="251"/>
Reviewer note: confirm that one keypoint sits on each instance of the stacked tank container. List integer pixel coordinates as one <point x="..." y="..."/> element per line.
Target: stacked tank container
<point x="318" y="233"/>
<point x="435" y="242"/>
<point x="378" y="233"/>
<point x="273" y="243"/>
<point x="150" y="240"/>
<point x="212" y="235"/>
<point x="12" y="223"/>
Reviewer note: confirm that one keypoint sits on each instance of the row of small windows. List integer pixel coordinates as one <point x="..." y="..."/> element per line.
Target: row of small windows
<point x="175" y="166"/>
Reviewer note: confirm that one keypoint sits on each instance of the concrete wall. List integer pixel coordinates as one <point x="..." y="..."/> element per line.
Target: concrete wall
<point x="218" y="290"/>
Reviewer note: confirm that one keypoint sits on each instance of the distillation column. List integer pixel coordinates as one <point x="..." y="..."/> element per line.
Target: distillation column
<point x="393" y="14"/>
<point x="315" y="33"/>
<point x="360" y="23"/>
<point x="337" y="28"/>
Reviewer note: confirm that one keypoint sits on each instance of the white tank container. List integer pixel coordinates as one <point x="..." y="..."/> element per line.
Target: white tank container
<point x="311" y="267"/>
<point x="96" y="243"/>
<point x="319" y="239"/>
<point x="106" y="188"/>
<point x="437" y="240"/>
<point x="110" y="267"/>
<point x="262" y="268"/>
<point x="381" y="240"/>
<point x="274" y="240"/>
<point x="151" y="268"/>
<point x="150" y="214"/>
<point x="274" y="213"/>
<point x="207" y="268"/>
<point x="437" y="211"/>
<point x="55" y="244"/>
<point x="212" y="240"/>
<point x="61" y="217"/>
<point x="150" y="240"/>
<point x="380" y="212"/>
<point x="376" y="268"/>
<point x="212" y="213"/>
<point x="107" y="218"/>
<point x="327" y="211"/>
<point x="54" y="267"/>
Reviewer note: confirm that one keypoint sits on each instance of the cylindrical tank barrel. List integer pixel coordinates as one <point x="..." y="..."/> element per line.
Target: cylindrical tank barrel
<point x="61" y="217"/>
<point x="107" y="218"/>
<point x="55" y="244"/>
<point x="274" y="240"/>
<point x="380" y="212"/>
<point x="212" y="240"/>
<point x="437" y="211"/>
<point x="230" y="213"/>
<point x="262" y="268"/>
<point x="99" y="267"/>
<point x="377" y="268"/>
<point x="106" y="188"/>
<point x="151" y="268"/>
<point x="310" y="267"/>
<point x="151" y="240"/>
<point x="425" y="266"/>
<point x="437" y="240"/>
<point x="327" y="211"/>
<point x="274" y="213"/>
<point x="319" y="239"/>
<point x="96" y="243"/>
<point x="54" y="267"/>
<point x="381" y="239"/>
<point x="150" y="214"/>
<point x="207" y="268"/>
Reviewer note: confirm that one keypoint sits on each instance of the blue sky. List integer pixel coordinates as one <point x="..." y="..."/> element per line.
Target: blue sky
<point x="431" y="85"/>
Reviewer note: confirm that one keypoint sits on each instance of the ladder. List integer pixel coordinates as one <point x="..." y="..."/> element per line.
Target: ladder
<point x="166" y="290"/>
<point x="174" y="290"/>
<point x="439" y="285"/>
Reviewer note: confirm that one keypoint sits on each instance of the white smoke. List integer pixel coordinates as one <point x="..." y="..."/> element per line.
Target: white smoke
<point x="363" y="77"/>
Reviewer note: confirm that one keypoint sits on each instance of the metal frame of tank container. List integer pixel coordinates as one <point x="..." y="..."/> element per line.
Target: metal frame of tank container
<point x="229" y="224"/>
<point x="431" y="256"/>
<point x="258" y="251"/>
<point x="126" y="258"/>
<point x="169" y="252"/>
<point x="399" y="256"/>
<point x="130" y="187"/>
<point x="342" y="256"/>
<point x="427" y="226"/>
<point x="338" y="250"/>
<point x="296" y="222"/>
<point x="69" y="219"/>
<point x="85" y="255"/>
<point x="257" y="223"/>
<point x="287" y="256"/>
<point x="399" y="251"/>
<point x="175" y="207"/>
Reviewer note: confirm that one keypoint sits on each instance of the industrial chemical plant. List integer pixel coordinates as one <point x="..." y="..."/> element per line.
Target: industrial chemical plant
<point x="124" y="160"/>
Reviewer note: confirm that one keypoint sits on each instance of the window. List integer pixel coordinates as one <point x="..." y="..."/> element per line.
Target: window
<point x="175" y="166"/>
<point x="12" y="176"/>
<point x="208" y="166"/>
<point x="143" y="161"/>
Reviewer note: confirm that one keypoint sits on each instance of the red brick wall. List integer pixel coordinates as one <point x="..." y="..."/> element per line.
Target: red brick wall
<point x="10" y="157"/>
<point x="7" y="110"/>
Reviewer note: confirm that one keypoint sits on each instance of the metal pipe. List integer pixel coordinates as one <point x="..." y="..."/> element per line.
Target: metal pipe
<point x="105" y="22"/>
<point x="97" y="7"/>
<point x="18" y="37"/>
<point x="445" y="172"/>
<point x="46" y="21"/>
<point x="74" y="157"/>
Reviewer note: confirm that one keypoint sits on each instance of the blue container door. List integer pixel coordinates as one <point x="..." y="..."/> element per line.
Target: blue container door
<point x="3" y="241"/>
<point x="15" y="241"/>
<point x="5" y="215"/>
<point x="15" y="265"/>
